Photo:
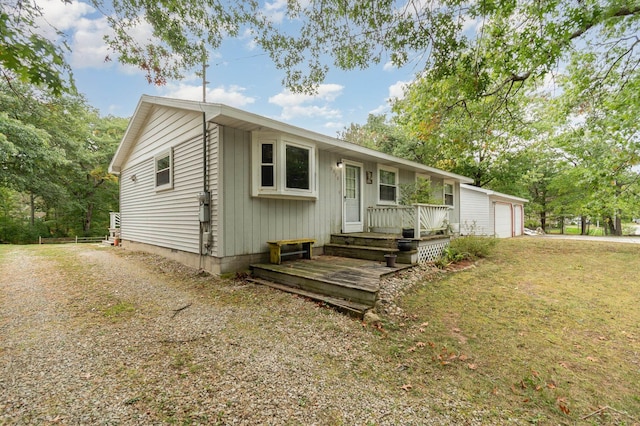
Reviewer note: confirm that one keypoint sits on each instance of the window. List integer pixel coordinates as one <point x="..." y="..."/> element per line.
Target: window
<point x="267" y="167"/>
<point x="448" y="194"/>
<point x="387" y="185"/>
<point x="282" y="167"/>
<point x="297" y="169"/>
<point x="164" y="167"/>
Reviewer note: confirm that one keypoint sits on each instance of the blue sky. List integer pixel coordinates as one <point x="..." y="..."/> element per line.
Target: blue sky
<point x="239" y="75"/>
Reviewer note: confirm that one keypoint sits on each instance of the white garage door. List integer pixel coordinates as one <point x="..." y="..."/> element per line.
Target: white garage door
<point x="518" y="225"/>
<point x="502" y="220"/>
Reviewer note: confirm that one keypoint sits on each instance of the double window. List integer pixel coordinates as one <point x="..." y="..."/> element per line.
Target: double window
<point x="283" y="168"/>
<point x="164" y="170"/>
<point x="387" y="185"/>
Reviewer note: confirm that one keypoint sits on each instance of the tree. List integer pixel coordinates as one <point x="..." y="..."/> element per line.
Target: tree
<point x="379" y="134"/>
<point x="27" y="55"/>
<point x="514" y="41"/>
<point x="600" y="137"/>
<point x="481" y="138"/>
<point x="56" y="149"/>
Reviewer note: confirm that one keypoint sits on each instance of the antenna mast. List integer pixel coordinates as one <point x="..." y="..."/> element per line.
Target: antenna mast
<point x="204" y="73"/>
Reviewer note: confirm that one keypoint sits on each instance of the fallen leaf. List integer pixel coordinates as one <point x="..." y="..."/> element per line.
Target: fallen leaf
<point x="445" y="363"/>
<point x="407" y="387"/>
<point x="551" y="385"/>
<point x="526" y="400"/>
<point x="472" y="366"/>
<point x="592" y="359"/>
<point x="563" y="407"/>
<point x="564" y="364"/>
<point x="421" y="344"/>
<point x="494" y="391"/>
<point x="602" y="338"/>
<point x="412" y="349"/>
<point x="523" y="385"/>
<point x="538" y="388"/>
<point x="421" y="330"/>
<point x="456" y="330"/>
<point x="535" y="373"/>
<point x="463" y="357"/>
<point x="424" y="324"/>
<point x="433" y="345"/>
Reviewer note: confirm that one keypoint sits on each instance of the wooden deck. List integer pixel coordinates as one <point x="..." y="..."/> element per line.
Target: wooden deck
<point x="350" y="284"/>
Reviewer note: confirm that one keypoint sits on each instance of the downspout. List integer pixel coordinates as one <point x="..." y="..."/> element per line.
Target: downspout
<point x="205" y="212"/>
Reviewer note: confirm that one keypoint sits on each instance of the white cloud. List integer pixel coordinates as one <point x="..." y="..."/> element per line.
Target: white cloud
<point x="302" y="105"/>
<point x="88" y="49"/>
<point x="228" y="95"/>
<point x="396" y="90"/>
<point x="275" y="11"/>
<point x="326" y="92"/>
<point x="334" y="125"/>
<point x="381" y="109"/>
<point x="389" y="66"/>
<point x="61" y="16"/>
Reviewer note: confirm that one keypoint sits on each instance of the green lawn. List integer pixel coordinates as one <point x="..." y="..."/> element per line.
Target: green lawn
<point x="546" y="330"/>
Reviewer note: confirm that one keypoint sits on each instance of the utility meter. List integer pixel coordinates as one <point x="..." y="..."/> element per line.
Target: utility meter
<point x="204" y="212"/>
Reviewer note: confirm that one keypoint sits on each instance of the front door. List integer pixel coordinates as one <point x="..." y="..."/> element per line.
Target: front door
<point x="352" y="197"/>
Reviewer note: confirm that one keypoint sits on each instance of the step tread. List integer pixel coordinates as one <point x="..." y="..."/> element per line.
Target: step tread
<point x="351" y="307"/>
<point x="353" y="246"/>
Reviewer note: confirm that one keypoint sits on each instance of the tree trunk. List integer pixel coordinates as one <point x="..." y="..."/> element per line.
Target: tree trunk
<point x="584" y="228"/>
<point x="610" y="226"/>
<point x="618" y="224"/>
<point x="87" y="219"/>
<point x="543" y="221"/>
<point x="32" y="202"/>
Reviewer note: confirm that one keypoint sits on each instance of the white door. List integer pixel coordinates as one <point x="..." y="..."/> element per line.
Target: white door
<point x="352" y="197"/>
<point x="517" y="225"/>
<point x="502" y="220"/>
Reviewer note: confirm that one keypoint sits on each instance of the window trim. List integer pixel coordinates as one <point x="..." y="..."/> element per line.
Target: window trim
<point x="156" y="159"/>
<point x="397" y="177"/>
<point x="280" y="190"/>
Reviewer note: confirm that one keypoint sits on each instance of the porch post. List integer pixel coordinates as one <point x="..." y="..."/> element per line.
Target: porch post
<point x="417" y="231"/>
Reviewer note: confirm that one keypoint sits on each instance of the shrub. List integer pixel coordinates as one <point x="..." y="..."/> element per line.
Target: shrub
<point x="470" y="247"/>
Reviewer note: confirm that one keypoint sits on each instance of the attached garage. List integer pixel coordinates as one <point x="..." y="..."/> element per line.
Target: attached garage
<point x="487" y="212"/>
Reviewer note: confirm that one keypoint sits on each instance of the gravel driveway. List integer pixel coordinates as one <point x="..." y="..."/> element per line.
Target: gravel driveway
<point x="95" y="335"/>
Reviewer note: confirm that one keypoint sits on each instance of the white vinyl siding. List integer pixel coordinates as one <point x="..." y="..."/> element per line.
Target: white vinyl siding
<point x="164" y="218"/>
<point x="474" y="214"/>
<point x="215" y="176"/>
<point x="249" y="222"/>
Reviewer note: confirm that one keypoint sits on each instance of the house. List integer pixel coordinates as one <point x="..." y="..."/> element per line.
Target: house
<point x="208" y="185"/>
<point x="486" y="212"/>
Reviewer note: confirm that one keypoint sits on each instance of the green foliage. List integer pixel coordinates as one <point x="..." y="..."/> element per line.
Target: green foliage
<point x="28" y="56"/>
<point x="419" y="192"/>
<point x="54" y="153"/>
<point x="470" y="247"/>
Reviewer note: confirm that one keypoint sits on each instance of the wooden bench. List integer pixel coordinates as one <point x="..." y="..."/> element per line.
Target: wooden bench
<point x="275" y="249"/>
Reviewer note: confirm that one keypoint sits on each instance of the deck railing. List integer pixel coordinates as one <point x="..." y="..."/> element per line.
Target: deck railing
<point x="420" y="217"/>
<point x="114" y="220"/>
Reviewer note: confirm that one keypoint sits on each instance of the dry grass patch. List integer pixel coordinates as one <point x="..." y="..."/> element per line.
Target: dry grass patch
<point x="546" y="330"/>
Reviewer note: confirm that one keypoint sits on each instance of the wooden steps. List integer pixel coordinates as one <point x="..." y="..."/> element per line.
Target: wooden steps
<point x="368" y="245"/>
<point x="352" y="308"/>
<point x="348" y="283"/>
